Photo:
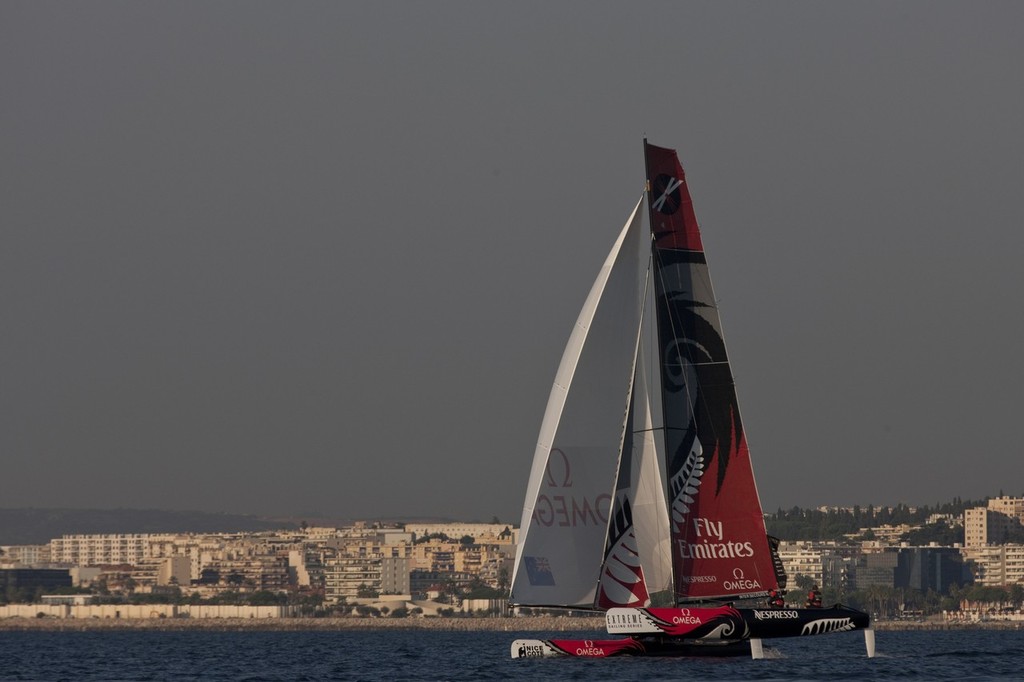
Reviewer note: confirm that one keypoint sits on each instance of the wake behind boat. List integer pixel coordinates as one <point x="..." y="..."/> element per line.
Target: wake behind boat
<point x="641" y="500"/>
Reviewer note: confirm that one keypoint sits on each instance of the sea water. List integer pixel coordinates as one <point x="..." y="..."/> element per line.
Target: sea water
<point x="429" y="655"/>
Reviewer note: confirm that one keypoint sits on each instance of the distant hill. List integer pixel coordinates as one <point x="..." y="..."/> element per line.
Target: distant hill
<point x="38" y="526"/>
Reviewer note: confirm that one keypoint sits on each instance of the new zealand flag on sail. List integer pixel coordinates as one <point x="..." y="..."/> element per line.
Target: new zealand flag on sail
<point x="538" y="569"/>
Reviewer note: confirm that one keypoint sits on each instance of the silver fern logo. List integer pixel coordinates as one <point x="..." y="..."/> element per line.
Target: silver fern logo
<point x="685" y="484"/>
<point x="622" y="581"/>
<point x="823" y="625"/>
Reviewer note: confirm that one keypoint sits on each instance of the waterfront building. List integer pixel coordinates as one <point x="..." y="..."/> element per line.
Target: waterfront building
<point x="996" y="565"/>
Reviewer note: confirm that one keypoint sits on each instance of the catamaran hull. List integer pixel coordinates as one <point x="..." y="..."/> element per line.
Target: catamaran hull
<point x="729" y="623"/>
<point x="719" y="631"/>
<point x="640" y="646"/>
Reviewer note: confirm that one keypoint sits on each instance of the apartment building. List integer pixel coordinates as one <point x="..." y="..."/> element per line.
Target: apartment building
<point x="991" y="525"/>
<point x="100" y="550"/>
<point x="25" y="555"/>
<point x="996" y="565"/>
<point x="822" y="562"/>
<point x="394" y="575"/>
<point x="159" y="572"/>
<point x="1008" y="506"/>
<point x="482" y="533"/>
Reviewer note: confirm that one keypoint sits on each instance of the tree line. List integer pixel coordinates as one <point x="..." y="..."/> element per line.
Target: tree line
<point x="797" y="523"/>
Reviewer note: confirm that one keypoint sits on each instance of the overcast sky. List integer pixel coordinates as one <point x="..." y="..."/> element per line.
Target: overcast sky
<point x="297" y="258"/>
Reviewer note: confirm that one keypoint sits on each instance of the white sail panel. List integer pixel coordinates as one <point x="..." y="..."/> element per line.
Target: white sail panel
<point x="650" y="510"/>
<point x="569" y="495"/>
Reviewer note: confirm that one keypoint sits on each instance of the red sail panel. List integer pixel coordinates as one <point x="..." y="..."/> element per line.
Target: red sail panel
<point x="676" y="224"/>
<point x="719" y="544"/>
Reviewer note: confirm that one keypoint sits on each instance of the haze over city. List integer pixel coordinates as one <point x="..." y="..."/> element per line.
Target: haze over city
<point x="323" y="258"/>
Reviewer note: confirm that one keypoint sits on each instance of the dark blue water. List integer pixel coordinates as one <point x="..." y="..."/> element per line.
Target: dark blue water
<point x="426" y="655"/>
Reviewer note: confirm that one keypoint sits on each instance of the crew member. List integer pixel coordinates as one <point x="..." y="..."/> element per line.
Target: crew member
<point x="814" y="598"/>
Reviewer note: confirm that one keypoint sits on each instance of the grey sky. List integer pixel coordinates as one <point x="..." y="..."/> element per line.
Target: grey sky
<point x="296" y="257"/>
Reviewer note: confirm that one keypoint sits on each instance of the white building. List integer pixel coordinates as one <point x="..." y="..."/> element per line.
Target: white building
<point x="819" y="561"/>
<point x="490" y="533"/>
<point x="989" y="525"/>
<point x="996" y="565"/>
<point x="98" y="550"/>
<point x="25" y="555"/>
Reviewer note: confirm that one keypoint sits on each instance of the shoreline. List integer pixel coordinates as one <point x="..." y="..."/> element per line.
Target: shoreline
<point x="554" y="624"/>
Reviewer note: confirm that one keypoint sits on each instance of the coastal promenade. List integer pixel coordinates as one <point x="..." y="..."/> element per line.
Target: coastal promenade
<point x="550" y="624"/>
<point x="496" y="624"/>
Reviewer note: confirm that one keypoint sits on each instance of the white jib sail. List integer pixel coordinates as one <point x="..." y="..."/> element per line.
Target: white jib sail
<point x="568" y="498"/>
<point x="650" y="510"/>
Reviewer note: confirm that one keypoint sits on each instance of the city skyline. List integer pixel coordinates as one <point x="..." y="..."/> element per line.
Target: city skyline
<point x="912" y="562"/>
<point x="244" y="522"/>
<point x="325" y="258"/>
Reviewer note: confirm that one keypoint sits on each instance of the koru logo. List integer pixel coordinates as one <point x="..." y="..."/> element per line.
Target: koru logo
<point x="666" y="188"/>
<point x="677" y="361"/>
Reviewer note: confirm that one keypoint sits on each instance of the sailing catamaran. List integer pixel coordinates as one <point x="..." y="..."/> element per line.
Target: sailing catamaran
<point x="641" y="500"/>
